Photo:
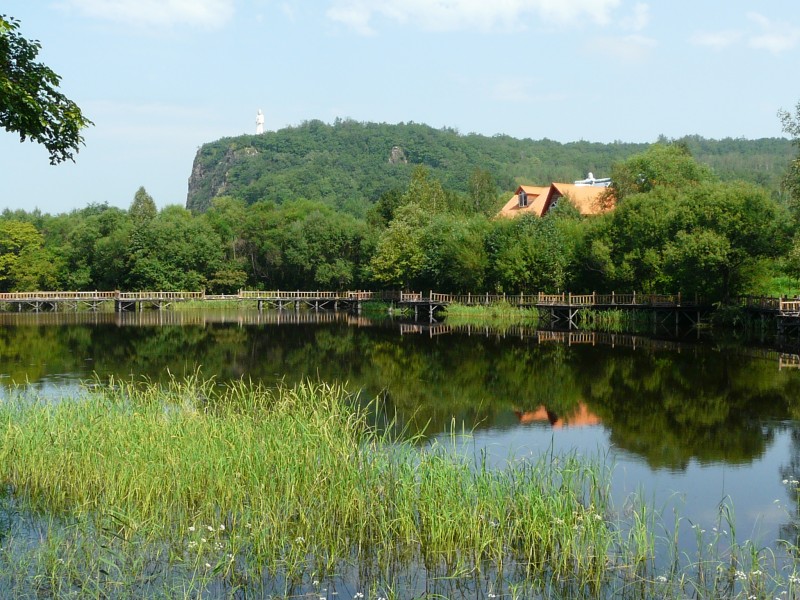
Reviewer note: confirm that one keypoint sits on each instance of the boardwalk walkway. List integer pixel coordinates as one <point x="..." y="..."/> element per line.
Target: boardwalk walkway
<point x="558" y="306"/>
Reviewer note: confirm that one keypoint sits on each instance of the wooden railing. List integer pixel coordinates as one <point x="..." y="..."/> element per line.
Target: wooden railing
<point x="290" y="295"/>
<point x="565" y="299"/>
<point x="411" y="297"/>
<point x="64" y="296"/>
<point x="789" y="306"/>
<point x="155" y="295"/>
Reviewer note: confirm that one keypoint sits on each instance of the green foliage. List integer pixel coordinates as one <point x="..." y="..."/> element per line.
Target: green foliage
<point x="350" y="166"/>
<point x="173" y="251"/>
<point x="676" y="227"/>
<point x="662" y="166"/>
<point x="454" y="250"/>
<point x="20" y="248"/>
<point x="143" y="208"/>
<point x="791" y="125"/>
<point x="30" y="103"/>
<point x="399" y="258"/>
<point x="531" y="254"/>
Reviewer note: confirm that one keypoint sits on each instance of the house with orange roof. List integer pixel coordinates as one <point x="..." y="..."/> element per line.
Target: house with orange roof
<point x="588" y="199"/>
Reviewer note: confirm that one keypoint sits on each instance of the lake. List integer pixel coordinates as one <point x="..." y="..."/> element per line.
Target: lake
<point x="699" y="427"/>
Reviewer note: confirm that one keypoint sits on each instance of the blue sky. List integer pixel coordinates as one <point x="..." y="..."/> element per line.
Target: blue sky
<point x="161" y="77"/>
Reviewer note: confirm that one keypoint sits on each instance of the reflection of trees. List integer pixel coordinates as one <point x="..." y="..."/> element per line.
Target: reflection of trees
<point x="694" y="405"/>
<point x="669" y="408"/>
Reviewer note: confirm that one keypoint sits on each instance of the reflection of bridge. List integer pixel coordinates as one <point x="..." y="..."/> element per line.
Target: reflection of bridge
<point x="564" y="307"/>
<point x="178" y="318"/>
<point x="785" y="360"/>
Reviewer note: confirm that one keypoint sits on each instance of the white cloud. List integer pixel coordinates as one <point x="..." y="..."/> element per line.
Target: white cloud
<point x="631" y="48"/>
<point x="639" y="19"/>
<point x="451" y="15"/>
<point x="203" y="13"/>
<point x="523" y="90"/>
<point x="718" y="40"/>
<point x="774" y="37"/>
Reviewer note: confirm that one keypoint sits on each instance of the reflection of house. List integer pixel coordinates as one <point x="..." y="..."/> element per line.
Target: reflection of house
<point x="580" y="417"/>
<point x="588" y="199"/>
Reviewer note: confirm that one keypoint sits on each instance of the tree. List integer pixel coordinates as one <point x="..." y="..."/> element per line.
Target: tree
<point x="143" y="208"/>
<point x="662" y="165"/>
<point x="399" y="257"/>
<point x="791" y="125"/>
<point x="17" y="240"/>
<point x="483" y="192"/>
<point x="30" y="103"/>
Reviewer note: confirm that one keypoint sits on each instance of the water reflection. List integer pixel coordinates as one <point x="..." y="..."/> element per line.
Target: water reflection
<point x="667" y="401"/>
<point x="688" y="416"/>
<point x="580" y="417"/>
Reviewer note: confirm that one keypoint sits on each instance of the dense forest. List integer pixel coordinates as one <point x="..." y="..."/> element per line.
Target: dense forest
<point x="348" y="165"/>
<point x="718" y="227"/>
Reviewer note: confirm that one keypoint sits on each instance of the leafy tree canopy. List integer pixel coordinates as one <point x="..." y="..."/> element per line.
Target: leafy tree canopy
<point x="30" y="103"/>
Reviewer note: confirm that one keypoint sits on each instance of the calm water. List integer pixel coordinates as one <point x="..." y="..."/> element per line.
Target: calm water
<point x="687" y="423"/>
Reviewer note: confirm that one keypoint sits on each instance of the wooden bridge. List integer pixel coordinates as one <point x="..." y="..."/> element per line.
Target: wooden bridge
<point x="123" y="301"/>
<point x="563" y="306"/>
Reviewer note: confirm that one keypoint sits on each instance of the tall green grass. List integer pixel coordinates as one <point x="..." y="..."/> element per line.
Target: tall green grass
<point x="463" y="314"/>
<point x="199" y="489"/>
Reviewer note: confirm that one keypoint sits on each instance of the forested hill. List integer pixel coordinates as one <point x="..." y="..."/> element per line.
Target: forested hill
<point x="348" y="164"/>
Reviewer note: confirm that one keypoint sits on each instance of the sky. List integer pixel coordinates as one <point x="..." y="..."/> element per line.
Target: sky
<point x="159" y="78"/>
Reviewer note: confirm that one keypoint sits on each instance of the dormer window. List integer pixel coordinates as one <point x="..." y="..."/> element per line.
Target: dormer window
<point x="523" y="199"/>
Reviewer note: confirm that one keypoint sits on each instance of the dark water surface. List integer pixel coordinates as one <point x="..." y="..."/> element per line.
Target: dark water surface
<point x="688" y="424"/>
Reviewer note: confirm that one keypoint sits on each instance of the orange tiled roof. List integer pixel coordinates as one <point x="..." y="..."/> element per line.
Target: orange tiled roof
<point x="585" y="198"/>
<point x="536" y="199"/>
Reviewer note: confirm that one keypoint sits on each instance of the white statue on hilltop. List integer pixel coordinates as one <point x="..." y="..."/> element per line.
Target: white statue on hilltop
<point x="259" y="122"/>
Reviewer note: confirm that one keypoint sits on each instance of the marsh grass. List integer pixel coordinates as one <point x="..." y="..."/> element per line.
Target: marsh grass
<point x="195" y="488"/>
<point x="614" y="321"/>
<point x="463" y="314"/>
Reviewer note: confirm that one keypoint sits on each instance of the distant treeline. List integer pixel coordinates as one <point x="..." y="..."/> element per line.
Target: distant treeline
<point x="348" y="165"/>
<point x="677" y="226"/>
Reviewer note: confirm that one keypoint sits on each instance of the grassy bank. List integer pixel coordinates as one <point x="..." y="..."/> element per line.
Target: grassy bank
<point x="196" y="489"/>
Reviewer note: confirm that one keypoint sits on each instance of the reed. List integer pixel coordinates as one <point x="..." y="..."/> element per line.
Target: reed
<point x="196" y="488"/>
<point x="612" y="320"/>
<point x="461" y="313"/>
